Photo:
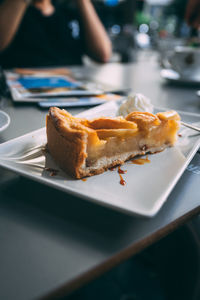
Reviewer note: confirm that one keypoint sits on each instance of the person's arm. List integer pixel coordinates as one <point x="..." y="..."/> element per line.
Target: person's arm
<point x="97" y="42"/>
<point x="11" y="13"/>
<point x="192" y="15"/>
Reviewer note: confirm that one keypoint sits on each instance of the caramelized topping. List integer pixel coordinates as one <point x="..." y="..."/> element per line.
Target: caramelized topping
<point x="140" y="161"/>
<point x="168" y="115"/>
<point x="144" y="120"/>
<point x="120" y="171"/>
<point x="52" y="172"/>
<point x="120" y="133"/>
<point x="122" y="181"/>
<point x="112" y="169"/>
<point x="111" y="123"/>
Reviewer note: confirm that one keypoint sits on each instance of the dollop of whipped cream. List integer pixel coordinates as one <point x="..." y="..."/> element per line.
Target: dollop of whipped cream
<point x="135" y="102"/>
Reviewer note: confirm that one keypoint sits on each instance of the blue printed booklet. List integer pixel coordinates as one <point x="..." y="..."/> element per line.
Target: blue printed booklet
<point x="33" y="87"/>
<point x="56" y="87"/>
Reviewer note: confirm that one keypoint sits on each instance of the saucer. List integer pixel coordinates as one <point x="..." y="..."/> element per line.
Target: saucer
<point x="173" y="76"/>
<point x="4" y="120"/>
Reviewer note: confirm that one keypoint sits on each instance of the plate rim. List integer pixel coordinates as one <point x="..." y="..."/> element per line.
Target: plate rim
<point x="8" y="121"/>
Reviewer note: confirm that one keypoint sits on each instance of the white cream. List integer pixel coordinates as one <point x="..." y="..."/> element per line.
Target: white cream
<point x="135" y="102"/>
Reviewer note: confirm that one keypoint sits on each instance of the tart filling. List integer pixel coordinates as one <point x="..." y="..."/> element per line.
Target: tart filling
<point x="84" y="147"/>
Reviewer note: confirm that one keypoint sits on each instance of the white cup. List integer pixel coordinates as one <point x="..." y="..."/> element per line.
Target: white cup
<point x="186" y="61"/>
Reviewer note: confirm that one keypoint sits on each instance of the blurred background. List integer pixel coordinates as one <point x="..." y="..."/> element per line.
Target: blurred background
<point x="143" y="24"/>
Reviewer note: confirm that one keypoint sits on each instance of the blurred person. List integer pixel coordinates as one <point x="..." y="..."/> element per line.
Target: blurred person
<point x="192" y="15"/>
<point x="40" y="33"/>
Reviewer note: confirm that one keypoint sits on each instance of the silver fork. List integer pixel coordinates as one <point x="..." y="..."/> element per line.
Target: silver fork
<point x="190" y="126"/>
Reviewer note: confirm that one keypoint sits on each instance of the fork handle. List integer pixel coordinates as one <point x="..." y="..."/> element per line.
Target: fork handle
<point x="190" y="126"/>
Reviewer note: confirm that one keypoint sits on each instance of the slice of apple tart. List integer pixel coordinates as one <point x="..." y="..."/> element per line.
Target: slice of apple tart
<point x="84" y="147"/>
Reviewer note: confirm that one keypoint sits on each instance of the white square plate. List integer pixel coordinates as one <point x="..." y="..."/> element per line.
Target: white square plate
<point x="147" y="186"/>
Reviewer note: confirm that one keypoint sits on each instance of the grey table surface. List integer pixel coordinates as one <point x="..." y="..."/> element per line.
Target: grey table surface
<point x="52" y="243"/>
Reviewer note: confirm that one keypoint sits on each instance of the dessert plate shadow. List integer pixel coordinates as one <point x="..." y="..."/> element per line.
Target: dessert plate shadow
<point x="147" y="186"/>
